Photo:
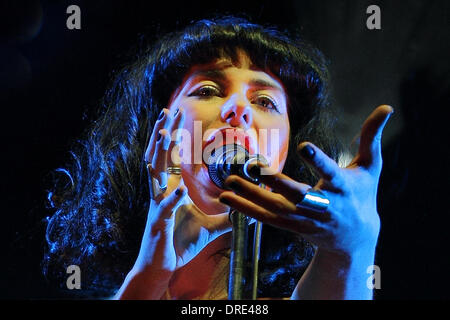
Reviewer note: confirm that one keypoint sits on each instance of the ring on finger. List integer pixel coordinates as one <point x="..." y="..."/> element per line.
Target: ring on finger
<point x="314" y="200"/>
<point x="174" y="170"/>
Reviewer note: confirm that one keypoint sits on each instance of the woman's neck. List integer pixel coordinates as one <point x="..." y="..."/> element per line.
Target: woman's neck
<point x="206" y="276"/>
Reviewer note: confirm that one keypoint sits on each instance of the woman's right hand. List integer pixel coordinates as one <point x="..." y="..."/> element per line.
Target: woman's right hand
<point x="176" y="229"/>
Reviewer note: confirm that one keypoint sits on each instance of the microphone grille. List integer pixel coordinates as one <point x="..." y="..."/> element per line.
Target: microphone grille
<point x="215" y="175"/>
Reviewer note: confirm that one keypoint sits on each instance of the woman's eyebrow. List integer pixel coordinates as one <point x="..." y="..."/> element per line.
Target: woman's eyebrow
<point x="219" y="75"/>
<point x="213" y="74"/>
<point x="265" y="84"/>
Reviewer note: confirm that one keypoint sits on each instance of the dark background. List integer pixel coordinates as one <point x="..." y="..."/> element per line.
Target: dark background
<point x="52" y="78"/>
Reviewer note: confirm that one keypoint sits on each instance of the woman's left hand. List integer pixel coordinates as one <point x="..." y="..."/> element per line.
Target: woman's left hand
<point x="351" y="222"/>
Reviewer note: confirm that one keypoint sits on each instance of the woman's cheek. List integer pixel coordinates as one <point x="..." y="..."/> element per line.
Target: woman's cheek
<point x="276" y="146"/>
<point x="279" y="158"/>
<point x="196" y="124"/>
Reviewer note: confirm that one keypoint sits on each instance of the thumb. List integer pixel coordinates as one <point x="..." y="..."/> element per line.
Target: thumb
<point x="369" y="153"/>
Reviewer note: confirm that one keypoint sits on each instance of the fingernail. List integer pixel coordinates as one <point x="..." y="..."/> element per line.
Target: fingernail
<point x="161" y="115"/>
<point x="159" y="136"/>
<point x="235" y="186"/>
<point x="307" y="152"/>
<point x="224" y="201"/>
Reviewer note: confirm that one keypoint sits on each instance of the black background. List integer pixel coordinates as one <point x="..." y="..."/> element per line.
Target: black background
<point x="52" y="78"/>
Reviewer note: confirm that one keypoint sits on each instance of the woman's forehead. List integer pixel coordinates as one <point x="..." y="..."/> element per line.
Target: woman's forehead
<point x="225" y="67"/>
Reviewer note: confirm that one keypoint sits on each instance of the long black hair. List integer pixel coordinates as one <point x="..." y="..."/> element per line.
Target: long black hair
<point x="101" y="199"/>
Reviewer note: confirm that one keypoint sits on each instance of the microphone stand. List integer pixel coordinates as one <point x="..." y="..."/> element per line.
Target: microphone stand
<point x="256" y="249"/>
<point x="238" y="255"/>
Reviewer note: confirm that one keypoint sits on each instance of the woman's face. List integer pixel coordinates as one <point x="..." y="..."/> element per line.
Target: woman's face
<point x="223" y="101"/>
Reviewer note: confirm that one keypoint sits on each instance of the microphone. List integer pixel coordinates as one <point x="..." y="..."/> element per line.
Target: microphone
<point x="231" y="159"/>
<point x="223" y="162"/>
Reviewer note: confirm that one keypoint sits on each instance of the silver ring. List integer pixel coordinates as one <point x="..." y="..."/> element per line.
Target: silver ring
<point x="314" y="200"/>
<point x="155" y="188"/>
<point x="174" y="170"/>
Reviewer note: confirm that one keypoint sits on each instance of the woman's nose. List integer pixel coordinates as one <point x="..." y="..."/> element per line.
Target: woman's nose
<point x="238" y="113"/>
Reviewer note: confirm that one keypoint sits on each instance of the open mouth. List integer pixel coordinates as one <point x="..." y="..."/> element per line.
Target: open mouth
<point x="227" y="136"/>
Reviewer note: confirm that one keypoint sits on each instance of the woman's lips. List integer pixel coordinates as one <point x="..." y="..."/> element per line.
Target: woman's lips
<point x="228" y="135"/>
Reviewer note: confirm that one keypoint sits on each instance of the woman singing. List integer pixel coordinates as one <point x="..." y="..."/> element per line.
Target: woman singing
<point x="138" y="211"/>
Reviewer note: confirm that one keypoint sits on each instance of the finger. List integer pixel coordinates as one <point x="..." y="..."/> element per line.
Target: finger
<point x="327" y="168"/>
<point x="274" y="202"/>
<point x="369" y="153"/>
<point x="159" y="161"/>
<point x="278" y="182"/>
<point x="163" y="116"/>
<point x="247" y="207"/>
<point x="172" y="201"/>
<point x="175" y="130"/>
<point x="296" y="223"/>
<point x="176" y="123"/>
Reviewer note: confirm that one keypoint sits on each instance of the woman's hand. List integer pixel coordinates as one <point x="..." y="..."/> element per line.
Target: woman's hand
<point x="346" y="233"/>
<point x="351" y="223"/>
<point x="177" y="230"/>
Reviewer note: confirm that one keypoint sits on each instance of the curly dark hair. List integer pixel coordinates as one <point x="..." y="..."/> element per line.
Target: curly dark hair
<point x="100" y="200"/>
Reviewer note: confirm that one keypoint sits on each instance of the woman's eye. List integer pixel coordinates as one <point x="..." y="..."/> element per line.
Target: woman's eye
<point x="266" y="102"/>
<point x="206" y="91"/>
